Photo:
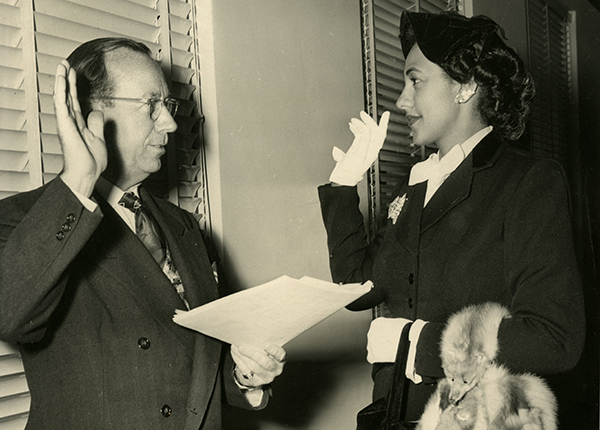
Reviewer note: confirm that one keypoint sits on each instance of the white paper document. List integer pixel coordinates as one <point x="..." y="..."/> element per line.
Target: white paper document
<point x="275" y="312"/>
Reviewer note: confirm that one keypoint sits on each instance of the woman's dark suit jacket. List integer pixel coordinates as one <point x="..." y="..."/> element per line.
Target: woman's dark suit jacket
<point x="497" y="230"/>
<point x="92" y="313"/>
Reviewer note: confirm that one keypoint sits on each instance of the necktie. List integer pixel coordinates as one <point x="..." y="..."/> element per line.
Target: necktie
<point x="149" y="232"/>
<point x="146" y="228"/>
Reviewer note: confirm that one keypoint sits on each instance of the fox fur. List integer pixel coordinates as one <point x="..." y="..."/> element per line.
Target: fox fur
<point x="477" y="393"/>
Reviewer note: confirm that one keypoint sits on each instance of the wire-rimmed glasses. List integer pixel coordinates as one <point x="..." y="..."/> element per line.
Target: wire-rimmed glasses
<point x="155" y="104"/>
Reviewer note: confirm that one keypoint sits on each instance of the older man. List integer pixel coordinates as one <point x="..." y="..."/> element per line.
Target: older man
<point x="92" y="267"/>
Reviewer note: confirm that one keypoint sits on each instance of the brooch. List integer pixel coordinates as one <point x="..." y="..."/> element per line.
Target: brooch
<point x="395" y="208"/>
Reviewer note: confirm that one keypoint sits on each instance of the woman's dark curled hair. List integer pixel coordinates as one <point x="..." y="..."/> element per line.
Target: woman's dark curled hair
<point x="506" y="88"/>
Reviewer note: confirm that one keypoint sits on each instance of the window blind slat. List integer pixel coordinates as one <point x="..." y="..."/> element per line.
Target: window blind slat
<point x="96" y="18"/>
<point x="13" y="161"/>
<point x="433" y="6"/>
<point x="180" y="8"/>
<point x="10" y="57"/>
<point x="51" y="144"/>
<point x="12" y="119"/>
<point x="126" y="9"/>
<point x="182" y="42"/>
<point x="13" y="384"/>
<point x="48" y="124"/>
<point x="13" y="182"/>
<point x="11" y="78"/>
<point x="10" y="36"/>
<point x="182" y="58"/>
<point x="13" y="140"/>
<point x="12" y="99"/>
<point x="67" y="29"/>
<point x="11" y="364"/>
<point x="53" y="163"/>
<point x="10" y="15"/>
<point x="180" y="25"/>
<point x="15" y="405"/>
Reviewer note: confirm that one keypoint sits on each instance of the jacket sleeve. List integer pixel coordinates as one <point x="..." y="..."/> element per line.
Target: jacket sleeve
<point x="350" y="253"/>
<point x="546" y="332"/>
<point x="41" y="233"/>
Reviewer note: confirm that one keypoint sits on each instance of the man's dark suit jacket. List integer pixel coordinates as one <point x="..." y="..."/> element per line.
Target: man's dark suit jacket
<point x="92" y="313"/>
<point x="497" y="230"/>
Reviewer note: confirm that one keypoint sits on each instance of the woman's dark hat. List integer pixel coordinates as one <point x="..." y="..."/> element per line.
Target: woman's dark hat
<point x="440" y="35"/>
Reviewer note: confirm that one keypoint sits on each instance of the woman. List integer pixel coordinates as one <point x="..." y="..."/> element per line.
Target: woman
<point x="477" y="222"/>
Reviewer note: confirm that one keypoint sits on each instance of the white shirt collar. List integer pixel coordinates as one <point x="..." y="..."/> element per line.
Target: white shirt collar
<point x="112" y="194"/>
<point x="433" y="166"/>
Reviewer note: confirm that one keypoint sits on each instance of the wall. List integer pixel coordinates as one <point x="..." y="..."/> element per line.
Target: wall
<point x="280" y="82"/>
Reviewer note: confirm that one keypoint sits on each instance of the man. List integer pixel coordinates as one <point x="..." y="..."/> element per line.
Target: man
<point x="85" y="299"/>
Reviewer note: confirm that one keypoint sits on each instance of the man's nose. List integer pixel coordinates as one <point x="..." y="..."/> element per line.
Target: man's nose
<point x="166" y="122"/>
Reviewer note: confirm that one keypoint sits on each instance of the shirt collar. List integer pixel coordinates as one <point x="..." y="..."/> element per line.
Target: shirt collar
<point x="424" y="170"/>
<point x="111" y="193"/>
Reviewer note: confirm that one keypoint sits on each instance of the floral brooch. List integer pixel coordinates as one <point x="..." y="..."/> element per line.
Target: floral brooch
<point x="396" y="207"/>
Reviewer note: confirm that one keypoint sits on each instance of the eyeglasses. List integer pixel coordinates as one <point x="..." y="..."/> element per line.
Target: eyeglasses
<point x="155" y="105"/>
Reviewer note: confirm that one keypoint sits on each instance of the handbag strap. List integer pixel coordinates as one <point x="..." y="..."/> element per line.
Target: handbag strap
<point x="396" y="398"/>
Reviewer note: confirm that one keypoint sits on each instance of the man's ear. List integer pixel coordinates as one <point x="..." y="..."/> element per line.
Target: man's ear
<point x="466" y="92"/>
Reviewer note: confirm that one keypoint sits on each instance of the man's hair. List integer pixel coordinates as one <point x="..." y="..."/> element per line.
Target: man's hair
<point x="88" y="61"/>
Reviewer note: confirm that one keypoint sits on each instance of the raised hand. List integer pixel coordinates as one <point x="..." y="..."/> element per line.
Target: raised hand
<point x="83" y="145"/>
<point x="368" y="140"/>
<point x="255" y="368"/>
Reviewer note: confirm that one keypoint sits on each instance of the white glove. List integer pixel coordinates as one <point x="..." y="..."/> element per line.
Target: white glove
<point x="350" y="167"/>
<point x="383" y="338"/>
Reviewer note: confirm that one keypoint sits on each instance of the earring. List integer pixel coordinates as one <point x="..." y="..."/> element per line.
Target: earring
<point x="464" y="96"/>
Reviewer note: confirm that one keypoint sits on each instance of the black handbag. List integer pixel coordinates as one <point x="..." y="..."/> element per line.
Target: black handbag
<point x="387" y="413"/>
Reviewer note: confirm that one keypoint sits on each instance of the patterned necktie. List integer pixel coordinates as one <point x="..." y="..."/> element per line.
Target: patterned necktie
<point x="146" y="228"/>
<point x="149" y="232"/>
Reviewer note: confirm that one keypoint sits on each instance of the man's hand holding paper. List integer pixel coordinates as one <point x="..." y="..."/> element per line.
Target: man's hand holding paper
<point x="256" y="368"/>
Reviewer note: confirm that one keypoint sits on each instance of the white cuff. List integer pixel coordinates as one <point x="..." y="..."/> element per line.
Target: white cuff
<point x="89" y="204"/>
<point x="382" y="339"/>
<point x="254" y="395"/>
<point x="413" y="337"/>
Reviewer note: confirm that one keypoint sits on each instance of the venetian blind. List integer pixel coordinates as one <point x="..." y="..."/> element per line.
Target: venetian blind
<point x="384" y="81"/>
<point x="34" y="36"/>
<point x="550" y="66"/>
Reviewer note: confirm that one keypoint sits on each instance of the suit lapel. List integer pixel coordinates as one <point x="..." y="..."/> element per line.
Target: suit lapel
<point x="407" y="224"/>
<point x="458" y="186"/>
<point x="188" y="252"/>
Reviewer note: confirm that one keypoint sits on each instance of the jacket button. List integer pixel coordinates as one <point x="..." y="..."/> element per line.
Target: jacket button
<point x="410" y="302"/>
<point x="144" y="343"/>
<point x="411" y="278"/>
<point x="66" y="227"/>
<point x="60" y="235"/>
<point x="71" y="218"/>
<point x="166" y="411"/>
